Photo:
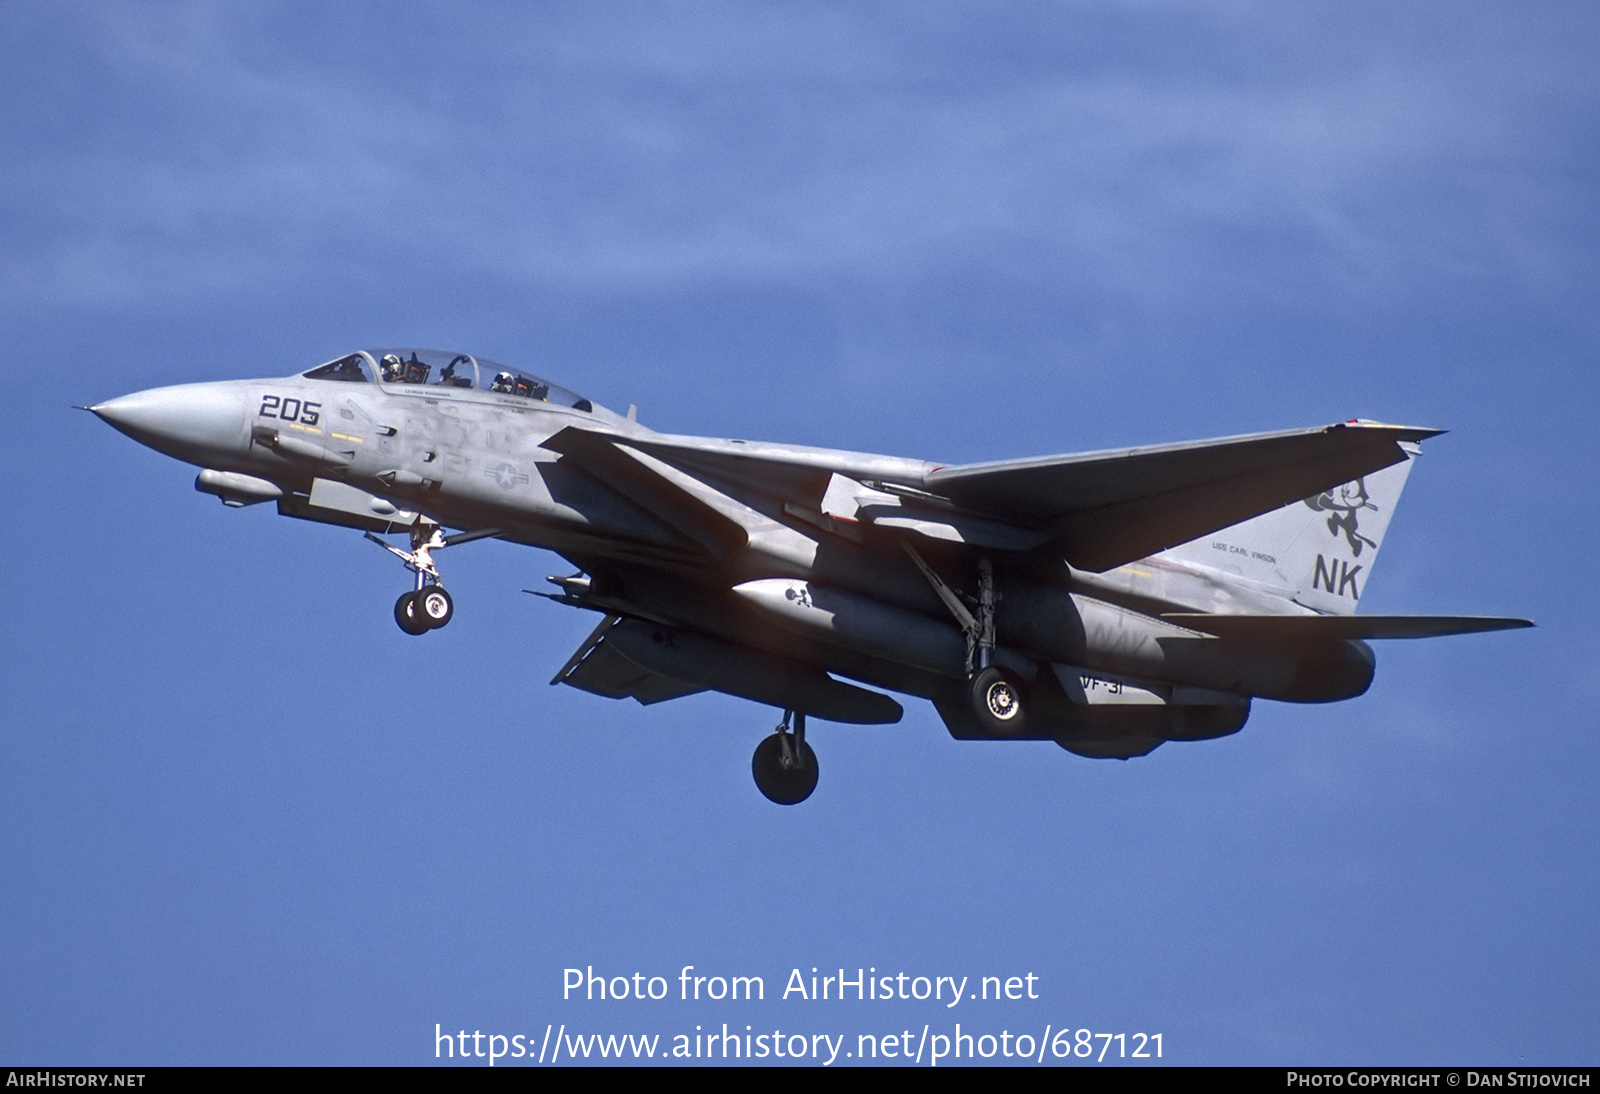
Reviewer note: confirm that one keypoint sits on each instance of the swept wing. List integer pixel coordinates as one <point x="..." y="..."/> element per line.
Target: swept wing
<point x="1109" y="508"/>
<point x="1100" y="509"/>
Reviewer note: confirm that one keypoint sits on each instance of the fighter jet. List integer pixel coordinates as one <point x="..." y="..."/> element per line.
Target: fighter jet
<point x="1107" y="601"/>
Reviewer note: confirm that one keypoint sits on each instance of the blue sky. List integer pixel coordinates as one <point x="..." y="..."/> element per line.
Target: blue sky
<point x="243" y="819"/>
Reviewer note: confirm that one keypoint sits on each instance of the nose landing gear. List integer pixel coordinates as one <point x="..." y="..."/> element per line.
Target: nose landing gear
<point x="428" y="605"/>
<point x="784" y="766"/>
<point x="423" y="609"/>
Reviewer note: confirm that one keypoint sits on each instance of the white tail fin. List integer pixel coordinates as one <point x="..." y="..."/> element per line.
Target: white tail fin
<point x="1320" y="551"/>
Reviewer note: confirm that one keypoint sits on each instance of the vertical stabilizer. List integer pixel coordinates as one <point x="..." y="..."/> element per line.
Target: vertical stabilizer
<point x="1319" y="551"/>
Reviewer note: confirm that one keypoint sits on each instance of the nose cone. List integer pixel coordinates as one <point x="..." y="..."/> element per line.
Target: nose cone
<point x="194" y="422"/>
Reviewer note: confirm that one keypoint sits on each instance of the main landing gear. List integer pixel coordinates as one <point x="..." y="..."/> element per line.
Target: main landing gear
<point x="993" y="693"/>
<point x="785" y="767"/>
<point x="996" y="699"/>
<point x="428" y="605"/>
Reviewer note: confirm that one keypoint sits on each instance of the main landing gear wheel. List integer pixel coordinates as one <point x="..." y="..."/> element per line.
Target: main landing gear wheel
<point x="784" y="766"/>
<point x="997" y="702"/>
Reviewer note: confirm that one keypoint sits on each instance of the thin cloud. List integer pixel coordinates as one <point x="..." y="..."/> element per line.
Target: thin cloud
<point x="718" y="147"/>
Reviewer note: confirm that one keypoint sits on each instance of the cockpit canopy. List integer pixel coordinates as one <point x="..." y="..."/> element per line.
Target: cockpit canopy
<point x="444" y="368"/>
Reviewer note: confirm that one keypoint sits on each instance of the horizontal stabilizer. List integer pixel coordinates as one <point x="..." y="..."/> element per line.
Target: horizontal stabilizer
<point x="1313" y="628"/>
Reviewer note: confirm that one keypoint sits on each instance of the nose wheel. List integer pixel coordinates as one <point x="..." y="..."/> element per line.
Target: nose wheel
<point x="784" y="766"/>
<point x="434" y="605"/>
<point x="423" y="609"/>
<point x="428" y="606"/>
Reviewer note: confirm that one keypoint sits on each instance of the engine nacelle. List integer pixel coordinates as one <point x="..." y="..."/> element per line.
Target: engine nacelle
<point x="1099" y="715"/>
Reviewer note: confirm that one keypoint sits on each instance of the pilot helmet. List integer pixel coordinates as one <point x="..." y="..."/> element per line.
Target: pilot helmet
<point x="503" y="381"/>
<point x="393" y="368"/>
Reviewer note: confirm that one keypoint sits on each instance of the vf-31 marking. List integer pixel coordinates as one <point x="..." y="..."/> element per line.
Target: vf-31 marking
<point x="1108" y="601"/>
